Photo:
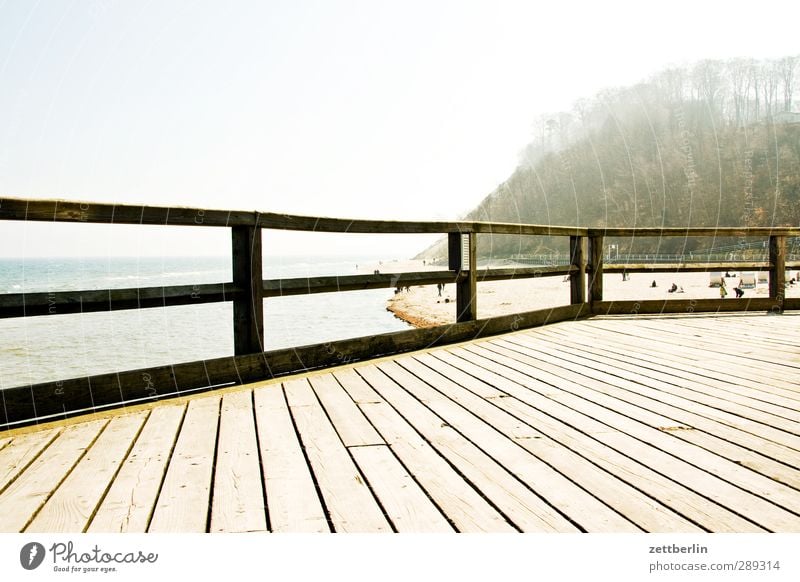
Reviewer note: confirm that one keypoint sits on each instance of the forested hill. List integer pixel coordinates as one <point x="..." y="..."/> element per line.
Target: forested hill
<point x="714" y="144"/>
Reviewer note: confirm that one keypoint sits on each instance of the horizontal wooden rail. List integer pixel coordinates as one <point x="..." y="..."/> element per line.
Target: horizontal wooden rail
<point x="330" y="284"/>
<point x="63" y="302"/>
<point x="692" y="267"/>
<point x="100" y="213"/>
<point x="694" y="231"/>
<point x="688" y="306"/>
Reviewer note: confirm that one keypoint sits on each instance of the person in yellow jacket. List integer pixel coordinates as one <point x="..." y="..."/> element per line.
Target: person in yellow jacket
<point x="722" y="290"/>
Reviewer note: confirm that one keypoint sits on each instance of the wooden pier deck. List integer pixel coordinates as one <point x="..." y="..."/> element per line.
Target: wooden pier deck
<point x="629" y="424"/>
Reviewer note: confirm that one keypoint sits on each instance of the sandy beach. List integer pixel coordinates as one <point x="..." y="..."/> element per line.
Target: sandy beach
<point x="422" y="306"/>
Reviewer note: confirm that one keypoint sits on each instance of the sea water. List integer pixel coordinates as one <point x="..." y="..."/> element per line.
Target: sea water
<point x="61" y="346"/>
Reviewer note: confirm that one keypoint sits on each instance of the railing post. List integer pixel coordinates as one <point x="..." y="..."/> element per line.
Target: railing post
<point x="777" y="271"/>
<point x="248" y="306"/>
<point x="467" y="285"/>
<point x="577" y="278"/>
<point x="596" y="259"/>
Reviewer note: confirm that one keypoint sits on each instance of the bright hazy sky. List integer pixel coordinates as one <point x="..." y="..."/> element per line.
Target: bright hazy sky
<point x="403" y="110"/>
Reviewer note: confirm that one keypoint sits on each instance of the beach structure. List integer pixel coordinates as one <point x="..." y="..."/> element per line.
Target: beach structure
<point x="748" y="281"/>
<point x="594" y="416"/>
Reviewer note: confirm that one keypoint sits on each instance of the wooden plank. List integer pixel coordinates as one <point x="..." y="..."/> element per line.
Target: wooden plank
<point x="705" y="432"/>
<point x="323" y="224"/>
<point x="248" y="307"/>
<point x="131" y="499"/>
<point x="95" y="212"/>
<point x="682" y="306"/>
<point x="666" y="371"/>
<point x="747" y="369"/>
<point x="580" y="504"/>
<point x="679" y="363"/>
<point x="683" y="354"/>
<point x="350" y="503"/>
<point x="464" y="507"/>
<point x="683" y="267"/>
<point x="21" y="452"/>
<point x="748" y="329"/>
<point x="86" y="301"/>
<point x="350" y="423"/>
<point x="503" y="482"/>
<point x="677" y="334"/>
<point x="307" y="285"/>
<point x="292" y="499"/>
<point x="775" y="416"/>
<point x="238" y="500"/>
<point x="733" y="414"/>
<point x="23" y="498"/>
<point x="73" y="504"/>
<point x="184" y="501"/>
<point x="4" y="442"/>
<point x="739" y="487"/>
<point x="716" y="431"/>
<point x="716" y="232"/>
<point x="637" y="507"/>
<point x="406" y="504"/>
<point x="572" y="431"/>
<point x="104" y="213"/>
<point x="644" y="449"/>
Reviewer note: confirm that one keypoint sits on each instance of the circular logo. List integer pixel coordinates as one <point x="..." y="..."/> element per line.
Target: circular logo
<point x="31" y="555"/>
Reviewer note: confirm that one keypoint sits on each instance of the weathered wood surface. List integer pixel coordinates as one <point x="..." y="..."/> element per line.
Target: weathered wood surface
<point x="94" y="212"/>
<point x="183" y="504"/>
<point x="307" y="285"/>
<point x="683" y="306"/>
<point x="129" y="502"/>
<point x="596" y="270"/>
<point x="238" y="500"/>
<point x="104" y="213"/>
<point x="690" y="267"/>
<point x="661" y="424"/>
<point x="577" y="275"/>
<point x="467" y="286"/>
<point x="63" y="302"/>
<point x="248" y="306"/>
<point x="73" y="505"/>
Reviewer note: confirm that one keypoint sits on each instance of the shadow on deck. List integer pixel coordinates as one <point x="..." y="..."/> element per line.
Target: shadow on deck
<point x="661" y="424"/>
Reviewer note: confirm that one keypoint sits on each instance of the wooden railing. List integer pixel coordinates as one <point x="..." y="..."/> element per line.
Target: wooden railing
<point x="248" y="289"/>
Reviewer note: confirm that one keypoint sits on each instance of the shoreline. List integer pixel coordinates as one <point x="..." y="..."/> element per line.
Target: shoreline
<point x="421" y="306"/>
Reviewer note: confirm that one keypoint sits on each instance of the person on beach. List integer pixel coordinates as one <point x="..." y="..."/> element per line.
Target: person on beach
<point x="439" y="287"/>
<point x="739" y="292"/>
<point x="722" y="291"/>
<point x="673" y="288"/>
<point x="653" y="284"/>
